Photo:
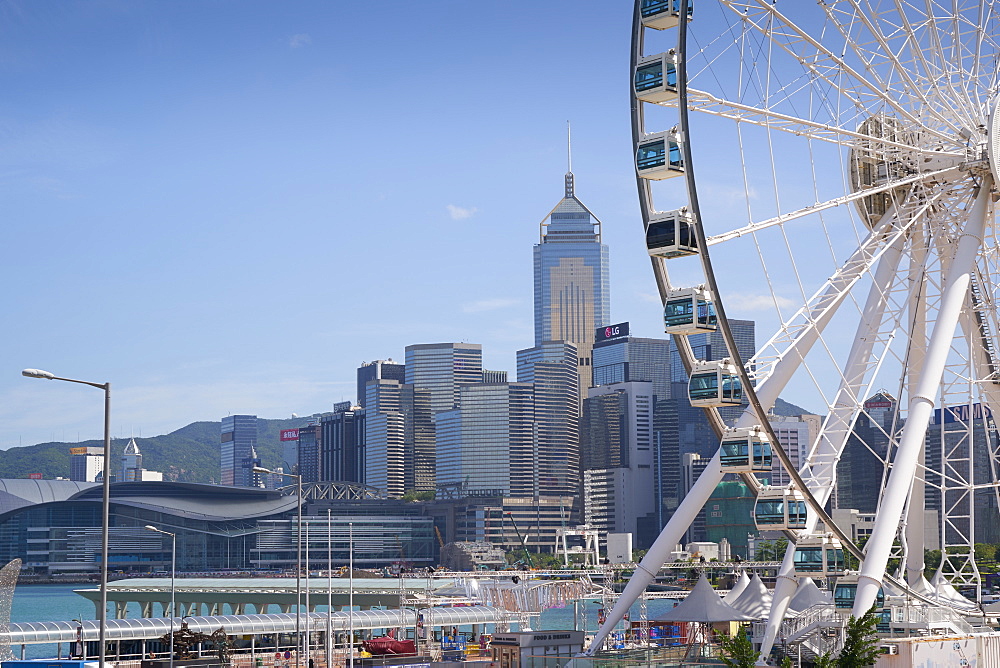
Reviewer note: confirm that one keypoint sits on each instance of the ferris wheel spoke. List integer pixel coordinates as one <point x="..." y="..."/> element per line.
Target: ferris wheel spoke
<point x="825" y="302"/>
<point x="989" y="18"/>
<point x="874" y="329"/>
<point x="822" y="63"/>
<point x="882" y="61"/>
<point x="928" y="177"/>
<point x="707" y="103"/>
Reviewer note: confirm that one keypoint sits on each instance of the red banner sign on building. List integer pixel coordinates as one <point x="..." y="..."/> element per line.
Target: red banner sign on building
<point x="35" y="476"/>
<point x="289" y="434"/>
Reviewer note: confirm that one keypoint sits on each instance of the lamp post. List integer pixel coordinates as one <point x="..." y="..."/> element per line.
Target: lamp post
<point x="102" y="612"/>
<point x="329" y="588"/>
<point x="298" y="561"/>
<point x="173" y="573"/>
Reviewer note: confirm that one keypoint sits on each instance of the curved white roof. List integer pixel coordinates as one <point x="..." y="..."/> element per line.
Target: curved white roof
<point x="122" y="629"/>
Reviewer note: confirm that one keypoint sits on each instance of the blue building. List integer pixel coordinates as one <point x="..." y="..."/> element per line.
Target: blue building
<point x="551" y="368"/>
<point x="572" y="294"/>
<point x="238" y="451"/>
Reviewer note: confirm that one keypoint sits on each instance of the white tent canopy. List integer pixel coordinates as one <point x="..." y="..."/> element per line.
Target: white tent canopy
<point x="755" y="600"/>
<point x="703" y="604"/>
<point x="737" y="589"/>
<point x="808" y="595"/>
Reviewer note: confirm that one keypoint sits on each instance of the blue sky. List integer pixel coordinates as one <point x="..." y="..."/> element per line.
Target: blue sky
<point x="224" y="207"/>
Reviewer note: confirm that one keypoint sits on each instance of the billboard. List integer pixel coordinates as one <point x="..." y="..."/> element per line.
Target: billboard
<point x="78" y="451"/>
<point x="289" y="434"/>
<point x="962" y="413"/>
<point x="35" y="476"/>
<point x="611" y="332"/>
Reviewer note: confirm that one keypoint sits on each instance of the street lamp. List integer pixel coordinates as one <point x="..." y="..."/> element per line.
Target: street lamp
<point x="173" y="573"/>
<point x="102" y="612"/>
<point x="298" y="561"/>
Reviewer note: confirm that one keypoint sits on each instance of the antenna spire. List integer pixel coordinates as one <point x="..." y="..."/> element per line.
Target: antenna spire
<point x="569" y="161"/>
<point x="569" y="148"/>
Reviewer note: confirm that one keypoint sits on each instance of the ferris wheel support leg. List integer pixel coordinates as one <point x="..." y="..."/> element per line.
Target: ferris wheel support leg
<point x="661" y="548"/>
<point x="784" y="589"/>
<point x="917" y="352"/>
<point x="821" y="466"/>
<point x="921" y="405"/>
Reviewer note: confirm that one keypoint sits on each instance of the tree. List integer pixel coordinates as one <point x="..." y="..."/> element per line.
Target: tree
<point x="825" y="660"/>
<point x="414" y="495"/>
<point x="771" y="550"/>
<point x="738" y="651"/>
<point x="861" y="643"/>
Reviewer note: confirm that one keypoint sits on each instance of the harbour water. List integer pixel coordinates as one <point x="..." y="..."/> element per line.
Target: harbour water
<point x="54" y="603"/>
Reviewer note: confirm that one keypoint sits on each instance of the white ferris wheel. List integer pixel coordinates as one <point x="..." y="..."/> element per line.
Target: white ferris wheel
<point x="835" y="167"/>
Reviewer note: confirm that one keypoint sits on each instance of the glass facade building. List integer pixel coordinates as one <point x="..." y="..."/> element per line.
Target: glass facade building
<point x="486" y="444"/>
<point x="616" y="456"/>
<point x="378" y="370"/>
<point x="399" y="437"/>
<point x="553" y="370"/>
<point x="572" y="293"/>
<point x="678" y="428"/>
<point x="239" y="451"/>
<point x="443" y="368"/>
<point x="342" y="453"/>
<point x="308" y="445"/>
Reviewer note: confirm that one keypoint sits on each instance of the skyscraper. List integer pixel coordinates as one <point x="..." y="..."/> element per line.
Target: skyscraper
<point x="239" y="451"/>
<point x="486" y="443"/>
<point x="552" y="368"/>
<point x="399" y="437"/>
<point x="572" y="294"/>
<point x="860" y="469"/>
<point x="132" y="470"/>
<point x="342" y="453"/>
<point x="378" y="370"/>
<point x="616" y="456"/>
<point x="443" y="368"/>
<point x="309" y="447"/>
<point x="131" y="462"/>
<point x="620" y="358"/>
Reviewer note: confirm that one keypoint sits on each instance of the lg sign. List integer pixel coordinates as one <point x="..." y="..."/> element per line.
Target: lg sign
<point x="611" y="332"/>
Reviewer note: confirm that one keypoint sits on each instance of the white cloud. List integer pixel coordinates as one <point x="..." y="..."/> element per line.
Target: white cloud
<point x="756" y="303"/>
<point x="488" y="304"/>
<point x="460" y="213"/>
<point x="728" y="193"/>
<point x="302" y="39"/>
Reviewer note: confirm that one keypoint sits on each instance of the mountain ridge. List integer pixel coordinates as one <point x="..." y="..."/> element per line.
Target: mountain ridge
<point x="187" y="454"/>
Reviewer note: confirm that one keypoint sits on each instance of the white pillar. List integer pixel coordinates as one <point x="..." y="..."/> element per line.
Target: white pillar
<point x="820" y="469"/>
<point x="921" y="404"/>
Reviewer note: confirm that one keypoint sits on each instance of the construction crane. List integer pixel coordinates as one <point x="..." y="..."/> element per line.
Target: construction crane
<point x="527" y="555"/>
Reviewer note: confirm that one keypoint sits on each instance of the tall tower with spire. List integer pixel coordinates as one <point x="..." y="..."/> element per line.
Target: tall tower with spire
<point x="572" y="295"/>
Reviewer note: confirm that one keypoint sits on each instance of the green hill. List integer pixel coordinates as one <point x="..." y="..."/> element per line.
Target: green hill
<point x="190" y="454"/>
